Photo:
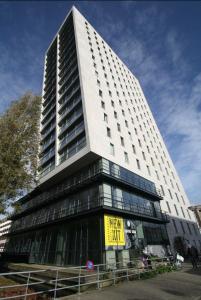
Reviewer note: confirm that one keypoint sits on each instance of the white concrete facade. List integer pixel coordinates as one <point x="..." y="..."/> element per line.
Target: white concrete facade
<point x="120" y="127"/>
<point x="4" y="229"/>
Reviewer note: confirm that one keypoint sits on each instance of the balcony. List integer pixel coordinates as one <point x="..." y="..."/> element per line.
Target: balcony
<point x="68" y="97"/>
<point x="63" y="81"/>
<point x="48" y="107"/>
<point x="68" y="86"/>
<point x="67" y="53"/>
<point x="47" y="132"/>
<point x="120" y="203"/>
<point x="68" y="47"/>
<point x="63" y="36"/>
<point x="48" y="100"/>
<point x="48" y="112"/>
<point x="63" y="71"/>
<point x="73" y="150"/>
<point x="76" y="115"/>
<point x="47" y="169"/>
<point x="71" y="135"/>
<point x="76" y="207"/>
<point x="49" y="80"/>
<point x="69" y="108"/>
<point x="48" y="118"/>
<point x="49" y="92"/>
<point x="47" y="157"/>
<point x="131" y="179"/>
<point x="48" y="143"/>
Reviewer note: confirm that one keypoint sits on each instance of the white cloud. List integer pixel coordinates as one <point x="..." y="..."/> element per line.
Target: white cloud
<point x="175" y="97"/>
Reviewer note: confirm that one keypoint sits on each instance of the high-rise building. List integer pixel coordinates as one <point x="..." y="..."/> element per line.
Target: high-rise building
<point x="105" y="174"/>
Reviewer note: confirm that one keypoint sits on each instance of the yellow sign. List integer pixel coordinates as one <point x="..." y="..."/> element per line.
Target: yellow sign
<point x="114" y="231"/>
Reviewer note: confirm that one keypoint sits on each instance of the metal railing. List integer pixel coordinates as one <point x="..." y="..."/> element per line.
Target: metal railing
<point x="52" y="281"/>
<point x="71" y="135"/>
<point x="73" y="207"/>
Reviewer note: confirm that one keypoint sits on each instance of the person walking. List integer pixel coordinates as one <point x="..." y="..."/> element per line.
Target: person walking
<point x="193" y="256"/>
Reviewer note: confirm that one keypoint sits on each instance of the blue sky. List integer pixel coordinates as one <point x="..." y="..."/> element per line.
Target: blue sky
<point x="159" y="41"/>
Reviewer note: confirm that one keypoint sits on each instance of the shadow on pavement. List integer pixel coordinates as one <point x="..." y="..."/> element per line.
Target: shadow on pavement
<point x="194" y="271"/>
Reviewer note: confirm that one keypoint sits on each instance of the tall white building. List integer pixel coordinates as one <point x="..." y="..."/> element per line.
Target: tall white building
<point x="95" y="120"/>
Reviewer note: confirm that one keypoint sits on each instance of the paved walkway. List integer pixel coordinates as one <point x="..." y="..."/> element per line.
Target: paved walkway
<point x="178" y="285"/>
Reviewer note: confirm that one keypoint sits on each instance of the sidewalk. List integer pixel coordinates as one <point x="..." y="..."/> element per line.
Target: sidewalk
<point x="184" y="284"/>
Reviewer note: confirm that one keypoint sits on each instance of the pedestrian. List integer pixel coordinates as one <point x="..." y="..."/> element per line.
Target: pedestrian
<point x="193" y="256"/>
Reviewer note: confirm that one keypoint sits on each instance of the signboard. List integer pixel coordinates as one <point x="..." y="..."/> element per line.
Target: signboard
<point x="114" y="231"/>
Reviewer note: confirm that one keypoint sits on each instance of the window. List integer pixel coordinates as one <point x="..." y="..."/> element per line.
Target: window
<point x="134" y="150"/>
<point x="123" y="113"/>
<point x="148" y="170"/>
<point x="130" y="136"/>
<point x="98" y="82"/>
<point x="103" y="104"/>
<point x="122" y="141"/>
<point x="115" y="114"/>
<point x="111" y="149"/>
<point x="168" y="206"/>
<point x="152" y="161"/>
<point x="126" y="157"/>
<point x="118" y="127"/>
<point x="157" y="175"/>
<point x="183" y="200"/>
<point x="100" y="93"/>
<point x="139" y="142"/>
<point x="162" y="189"/>
<point x="164" y="179"/>
<point x="176" y="209"/>
<point x="126" y="123"/>
<point x="108" y="132"/>
<point x="143" y="155"/>
<point x="183" y="212"/>
<point x="105" y="118"/>
<point x="170" y="193"/>
<point x="138" y="164"/>
<point x="177" y="197"/>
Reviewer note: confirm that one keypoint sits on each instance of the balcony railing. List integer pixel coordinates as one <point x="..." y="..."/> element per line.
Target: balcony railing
<point x="67" y="98"/>
<point x="45" y="134"/>
<point x="131" y="178"/>
<point x="62" y="71"/>
<point x="71" y="135"/>
<point x="73" y="150"/>
<point x="68" y="86"/>
<point x="69" y="46"/>
<point x="63" y="81"/>
<point x="48" y="100"/>
<point x="76" y="115"/>
<point x="47" y="113"/>
<point x="47" y="107"/>
<point x="69" y="108"/>
<point x="47" y="156"/>
<point x="74" y="207"/>
<point x="48" y="143"/>
<point x="47" y="169"/>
